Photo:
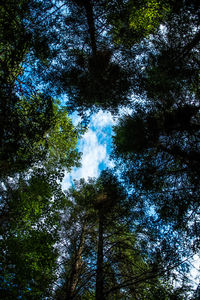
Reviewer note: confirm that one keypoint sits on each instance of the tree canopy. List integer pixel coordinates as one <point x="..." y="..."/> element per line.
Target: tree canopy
<point x="131" y="232"/>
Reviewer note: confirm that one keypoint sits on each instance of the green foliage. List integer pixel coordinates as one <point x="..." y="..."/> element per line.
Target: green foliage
<point x="14" y="40"/>
<point x="36" y="130"/>
<point x="31" y="201"/>
<point x="159" y="161"/>
<point x="132" y="136"/>
<point x="98" y="83"/>
<point x="148" y="18"/>
<point x="29" y="230"/>
<point x="31" y="265"/>
<point x="23" y="124"/>
<point x="61" y="140"/>
<point x="134" y="21"/>
<point x="22" y="43"/>
<point x="25" y="114"/>
<point x="88" y="71"/>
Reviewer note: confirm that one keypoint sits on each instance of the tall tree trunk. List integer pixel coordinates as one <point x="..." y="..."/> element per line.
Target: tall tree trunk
<point x="76" y="267"/>
<point x="99" y="293"/>
<point x="91" y="24"/>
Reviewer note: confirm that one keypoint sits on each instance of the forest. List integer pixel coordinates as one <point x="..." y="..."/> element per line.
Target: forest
<point x="132" y="232"/>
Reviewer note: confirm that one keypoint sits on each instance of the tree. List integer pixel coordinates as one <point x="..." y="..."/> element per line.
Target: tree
<point x="24" y="124"/>
<point x="93" y="204"/>
<point x="25" y="113"/>
<point x="30" y="205"/>
<point x="37" y="144"/>
<point x="89" y="70"/>
<point x="93" y="66"/>
<point x="158" y="156"/>
<point x="31" y="201"/>
<point x="158" y="143"/>
<point x="38" y="131"/>
<point x="29" y="227"/>
<point x="101" y="254"/>
<point x="131" y="22"/>
<point x="78" y="238"/>
<point x="98" y="53"/>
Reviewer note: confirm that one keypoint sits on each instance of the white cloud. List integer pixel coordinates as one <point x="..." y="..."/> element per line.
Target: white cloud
<point x="93" y="154"/>
<point x="95" y="147"/>
<point x="102" y="119"/>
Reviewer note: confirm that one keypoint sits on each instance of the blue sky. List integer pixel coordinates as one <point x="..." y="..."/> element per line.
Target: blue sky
<point x="95" y="147"/>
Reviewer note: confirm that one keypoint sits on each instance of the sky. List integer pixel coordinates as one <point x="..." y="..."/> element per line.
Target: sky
<point x="95" y="147"/>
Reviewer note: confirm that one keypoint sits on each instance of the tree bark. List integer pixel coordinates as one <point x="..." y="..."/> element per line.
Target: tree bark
<point x="99" y="293"/>
<point x="90" y="20"/>
<point x="76" y="267"/>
